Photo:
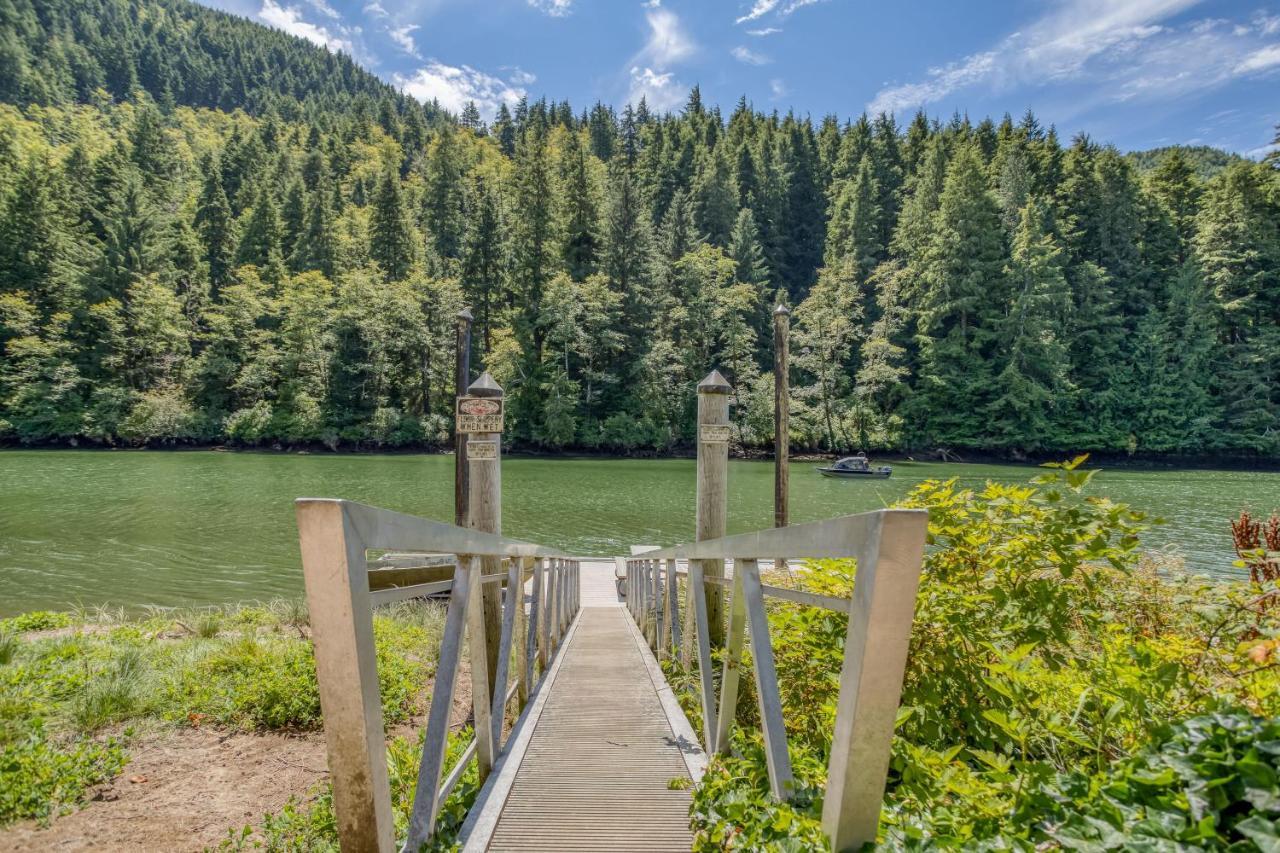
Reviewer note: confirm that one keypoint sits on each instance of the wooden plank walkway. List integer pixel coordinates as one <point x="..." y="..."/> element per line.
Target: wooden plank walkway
<point x="595" y="772"/>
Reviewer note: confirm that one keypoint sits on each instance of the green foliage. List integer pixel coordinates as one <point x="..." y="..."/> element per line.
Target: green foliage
<point x="247" y="668"/>
<point x="212" y="231"/>
<point x="39" y="777"/>
<point x="36" y="620"/>
<point x="1046" y="665"/>
<point x="1211" y="781"/>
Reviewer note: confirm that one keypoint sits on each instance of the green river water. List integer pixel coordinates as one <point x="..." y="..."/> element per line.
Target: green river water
<point x="134" y="528"/>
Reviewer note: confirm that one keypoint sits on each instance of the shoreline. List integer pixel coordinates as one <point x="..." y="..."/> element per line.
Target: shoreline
<point x="1108" y="459"/>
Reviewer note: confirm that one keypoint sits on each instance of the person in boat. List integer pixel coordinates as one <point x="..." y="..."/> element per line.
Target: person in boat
<point x="853" y="463"/>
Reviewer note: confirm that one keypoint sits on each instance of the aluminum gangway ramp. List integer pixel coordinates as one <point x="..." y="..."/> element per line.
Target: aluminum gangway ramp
<point x="593" y="765"/>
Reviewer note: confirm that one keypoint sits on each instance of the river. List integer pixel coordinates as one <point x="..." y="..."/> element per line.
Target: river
<point x="132" y="528"/>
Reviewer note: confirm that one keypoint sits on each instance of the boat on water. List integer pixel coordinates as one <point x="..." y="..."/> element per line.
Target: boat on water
<point x="854" y="467"/>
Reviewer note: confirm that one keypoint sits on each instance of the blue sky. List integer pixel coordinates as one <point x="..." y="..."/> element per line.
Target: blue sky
<point x="1139" y="73"/>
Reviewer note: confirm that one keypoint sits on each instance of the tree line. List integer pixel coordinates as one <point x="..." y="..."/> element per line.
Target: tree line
<point x="267" y="267"/>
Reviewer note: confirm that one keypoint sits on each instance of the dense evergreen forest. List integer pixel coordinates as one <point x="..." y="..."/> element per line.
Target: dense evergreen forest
<point x="211" y="231"/>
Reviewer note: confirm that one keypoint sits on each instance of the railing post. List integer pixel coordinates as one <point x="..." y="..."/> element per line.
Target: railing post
<point x="875" y="657"/>
<point x="781" y="422"/>
<point x="713" y="483"/>
<point x="531" y="648"/>
<point x="732" y="671"/>
<point x="520" y="636"/>
<point x="426" y="804"/>
<point x="334" y="567"/>
<point x="481" y="682"/>
<point x="671" y="625"/>
<point x="485" y="513"/>
<point x="546" y="651"/>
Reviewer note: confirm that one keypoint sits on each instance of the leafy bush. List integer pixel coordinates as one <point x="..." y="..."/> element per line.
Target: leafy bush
<point x="36" y="620"/>
<point x="1211" y="781"/>
<point x="38" y="776"/>
<point x="1043" y="645"/>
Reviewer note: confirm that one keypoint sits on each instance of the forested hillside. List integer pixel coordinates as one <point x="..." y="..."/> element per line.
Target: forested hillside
<point x="211" y="231"/>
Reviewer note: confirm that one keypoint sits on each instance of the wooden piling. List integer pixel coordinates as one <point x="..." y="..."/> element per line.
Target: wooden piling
<point x="713" y="485"/>
<point x="781" y="420"/>
<point x="462" y="378"/>
<point x="484" y="512"/>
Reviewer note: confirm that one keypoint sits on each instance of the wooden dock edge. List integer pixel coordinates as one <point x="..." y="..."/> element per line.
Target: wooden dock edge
<point x="695" y="757"/>
<point x="482" y="820"/>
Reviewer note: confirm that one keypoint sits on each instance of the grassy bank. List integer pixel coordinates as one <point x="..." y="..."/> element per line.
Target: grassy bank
<point x="80" y="692"/>
<point x="1062" y="691"/>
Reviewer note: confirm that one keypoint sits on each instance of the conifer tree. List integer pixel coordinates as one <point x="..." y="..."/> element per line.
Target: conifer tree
<point x="216" y="226"/>
<point x="442" y="201"/>
<point x="390" y="239"/>
<point x="963" y="299"/>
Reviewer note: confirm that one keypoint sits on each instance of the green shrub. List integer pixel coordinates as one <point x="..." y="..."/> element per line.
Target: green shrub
<point x="1042" y="646"/>
<point x="36" y="620"/>
<point x="265" y="682"/>
<point x="39" y="777"/>
<point x="1210" y="782"/>
<point x="8" y="647"/>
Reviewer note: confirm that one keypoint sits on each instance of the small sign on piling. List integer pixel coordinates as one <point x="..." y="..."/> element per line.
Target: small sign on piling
<point x="482" y="451"/>
<point x="714" y="433"/>
<point x="479" y="414"/>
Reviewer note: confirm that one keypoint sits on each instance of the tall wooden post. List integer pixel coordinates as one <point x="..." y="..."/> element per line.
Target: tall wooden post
<point x="781" y="420"/>
<point x="462" y="378"/>
<point x="484" y="511"/>
<point x="713" y="486"/>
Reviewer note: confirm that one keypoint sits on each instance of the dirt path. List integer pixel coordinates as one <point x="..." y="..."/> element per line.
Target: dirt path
<point x="182" y="790"/>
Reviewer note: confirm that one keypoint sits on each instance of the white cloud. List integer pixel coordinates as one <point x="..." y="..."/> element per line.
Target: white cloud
<point x="453" y="86"/>
<point x="289" y="19"/>
<point x="651" y="4"/>
<point x="1123" y="49"/>
<point x="758" y="10"/>
<point x="554" y="8"/>
<point x="376" y="9"/>
<point x="518" y="76"/>
<point x="1260" y="59"/>
<point x="748" y="56"/>
<point x="764" y="31"/>
<point x="777" y="88"/>
<point x="403" y="37"/>
<point x="662" y="92"/>
<point x="668" y="42"/>
<point x="325" y="9"/>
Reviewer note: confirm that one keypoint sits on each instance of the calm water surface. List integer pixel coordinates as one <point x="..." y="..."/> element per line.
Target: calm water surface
<point x="173" y="528"/>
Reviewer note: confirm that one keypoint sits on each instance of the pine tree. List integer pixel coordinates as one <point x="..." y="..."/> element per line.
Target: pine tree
<point x="1033" y="380"/>
<point x="442" y="200"/>
<point x="317" y="248"/>
<point x="853" y="234"/>
<point x="390" y="238"/>
<point x="578" y="212"/>
<point x="215" y="226"/>
<point x="482" y="257"/>
<point x="963" y="297"/>
<point x="261" y="238"/>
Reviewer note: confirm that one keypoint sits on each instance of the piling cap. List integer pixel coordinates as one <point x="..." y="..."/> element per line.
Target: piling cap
<point x="484" y="387"/>
<point x="465" y="315"/>
<point x="715" y="384"/>
<point x="781" y="311"/>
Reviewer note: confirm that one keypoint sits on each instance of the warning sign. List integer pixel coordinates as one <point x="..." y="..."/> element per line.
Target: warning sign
<point x="479" y="414"/>
<point x="713" y="433"/>
<point x="481" y="451"/>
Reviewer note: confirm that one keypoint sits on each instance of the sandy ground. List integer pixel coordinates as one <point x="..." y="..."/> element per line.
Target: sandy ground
<point x="182" y="790"/>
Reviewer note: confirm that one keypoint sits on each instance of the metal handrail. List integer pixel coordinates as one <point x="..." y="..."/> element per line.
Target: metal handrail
<point x="889" y="548"/>
<point x="336" y="536"/>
